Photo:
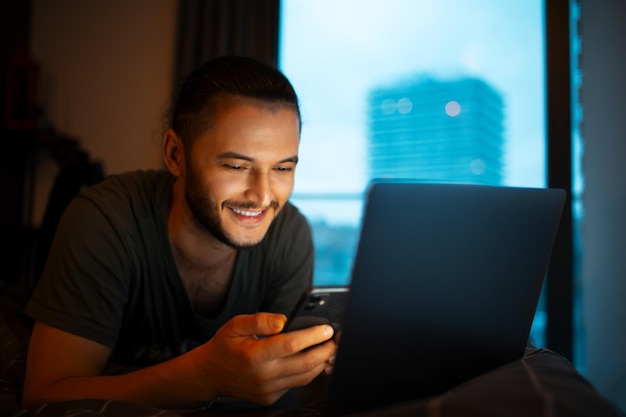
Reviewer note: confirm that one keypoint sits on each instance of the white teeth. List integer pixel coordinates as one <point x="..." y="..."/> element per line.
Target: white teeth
<point x="247" y="213"/>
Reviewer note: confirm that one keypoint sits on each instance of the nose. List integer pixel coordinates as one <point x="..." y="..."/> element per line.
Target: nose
<point x="260" y="189"/>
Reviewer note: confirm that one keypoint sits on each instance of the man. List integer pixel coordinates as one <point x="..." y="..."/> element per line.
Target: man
<point x="184" y="276"/>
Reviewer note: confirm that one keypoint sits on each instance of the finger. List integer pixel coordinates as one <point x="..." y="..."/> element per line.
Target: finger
<point x="337" y="336"/>
<point x="298" y="340"/>
<point x="297" y="352"/>
<point x="259" y="324"/>
<point x="295" y="370"/>
<point x="312" y="360"/>
<point x="292" y="380"/>
<point x="329" y="365"/>
<point x="302" y="368"/>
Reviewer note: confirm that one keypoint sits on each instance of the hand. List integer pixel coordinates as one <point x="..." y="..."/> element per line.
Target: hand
<point x="250" y="359"/>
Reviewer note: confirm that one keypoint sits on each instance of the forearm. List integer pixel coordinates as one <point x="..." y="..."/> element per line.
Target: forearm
<point x="234" y="363"/>
<point x="176" y="383"/>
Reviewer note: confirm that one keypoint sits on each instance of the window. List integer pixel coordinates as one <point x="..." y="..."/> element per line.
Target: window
<point x="444" y="90"/>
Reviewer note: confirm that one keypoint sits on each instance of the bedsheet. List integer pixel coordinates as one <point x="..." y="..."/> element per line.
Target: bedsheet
<point x="541" y="384"/>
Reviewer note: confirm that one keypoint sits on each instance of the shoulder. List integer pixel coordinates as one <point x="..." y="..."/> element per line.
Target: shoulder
<point x="134" y="184"/>
<point x="289" y="230"/>
<point x="289" y="220"/>
<point x="138" y="193"/>
<point x="120" y="202"/>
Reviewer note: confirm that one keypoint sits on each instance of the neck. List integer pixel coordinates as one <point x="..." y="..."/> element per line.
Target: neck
<point x="205" y="264"/>
<point x="194" y="248"/>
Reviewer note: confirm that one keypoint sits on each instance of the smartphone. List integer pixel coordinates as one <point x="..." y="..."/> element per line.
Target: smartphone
<point x="319" y="305"/>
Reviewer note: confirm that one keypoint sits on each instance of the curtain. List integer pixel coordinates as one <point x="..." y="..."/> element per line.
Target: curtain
<point x="211" y="28"/>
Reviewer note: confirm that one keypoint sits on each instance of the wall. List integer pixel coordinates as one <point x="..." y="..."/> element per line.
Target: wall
<point x="106" y="78"/>
<point x="603" y="130"/>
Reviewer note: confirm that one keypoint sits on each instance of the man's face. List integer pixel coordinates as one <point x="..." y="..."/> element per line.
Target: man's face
<point x="241" y="171"/>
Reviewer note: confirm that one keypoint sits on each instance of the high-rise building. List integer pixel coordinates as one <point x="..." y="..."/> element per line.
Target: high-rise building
<point x="437" y="130"/>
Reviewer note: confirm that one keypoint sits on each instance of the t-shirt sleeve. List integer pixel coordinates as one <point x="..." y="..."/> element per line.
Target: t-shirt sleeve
<point x="293" y="258"/>
<point x="84" y="286"/>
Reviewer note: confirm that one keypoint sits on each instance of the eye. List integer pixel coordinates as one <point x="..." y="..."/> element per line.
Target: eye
<point x="234" y="167"/>
<point x="284" y="168"/>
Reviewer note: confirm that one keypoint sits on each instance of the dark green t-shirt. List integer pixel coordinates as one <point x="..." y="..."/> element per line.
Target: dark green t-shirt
<point x="111" y="275"/>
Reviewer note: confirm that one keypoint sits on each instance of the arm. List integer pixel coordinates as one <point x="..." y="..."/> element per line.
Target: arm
<point x="235" y="363"/>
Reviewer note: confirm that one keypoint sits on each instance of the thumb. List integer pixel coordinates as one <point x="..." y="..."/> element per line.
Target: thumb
<point x="259" y="324"/>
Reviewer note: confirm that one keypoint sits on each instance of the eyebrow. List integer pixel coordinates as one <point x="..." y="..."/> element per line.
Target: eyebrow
<point x="235" y="155"/>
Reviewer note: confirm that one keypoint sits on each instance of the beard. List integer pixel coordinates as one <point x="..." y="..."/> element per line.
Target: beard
<point x="206" y="213"/>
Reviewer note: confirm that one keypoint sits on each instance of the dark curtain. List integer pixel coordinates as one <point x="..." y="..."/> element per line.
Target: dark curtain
<point x="212" y="28"/>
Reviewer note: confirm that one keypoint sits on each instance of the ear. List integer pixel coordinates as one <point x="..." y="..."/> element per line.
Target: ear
<point x="174" y="153"/>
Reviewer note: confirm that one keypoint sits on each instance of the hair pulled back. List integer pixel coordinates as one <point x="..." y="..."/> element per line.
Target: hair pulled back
<point x="200" y="93"/>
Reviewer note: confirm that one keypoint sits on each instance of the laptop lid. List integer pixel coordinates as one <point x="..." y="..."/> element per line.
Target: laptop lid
<point x="445" y="285"/>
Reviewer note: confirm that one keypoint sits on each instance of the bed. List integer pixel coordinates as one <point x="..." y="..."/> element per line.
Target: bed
<point x="542" y="383"/>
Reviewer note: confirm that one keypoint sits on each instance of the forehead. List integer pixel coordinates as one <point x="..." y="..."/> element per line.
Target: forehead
<point x="240" y="123"/>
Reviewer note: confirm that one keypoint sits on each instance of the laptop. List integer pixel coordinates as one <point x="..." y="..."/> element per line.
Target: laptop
<point x="444" y="287"/>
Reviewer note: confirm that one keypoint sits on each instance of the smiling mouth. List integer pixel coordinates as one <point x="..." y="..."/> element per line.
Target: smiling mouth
<point x="247" y="213"/>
